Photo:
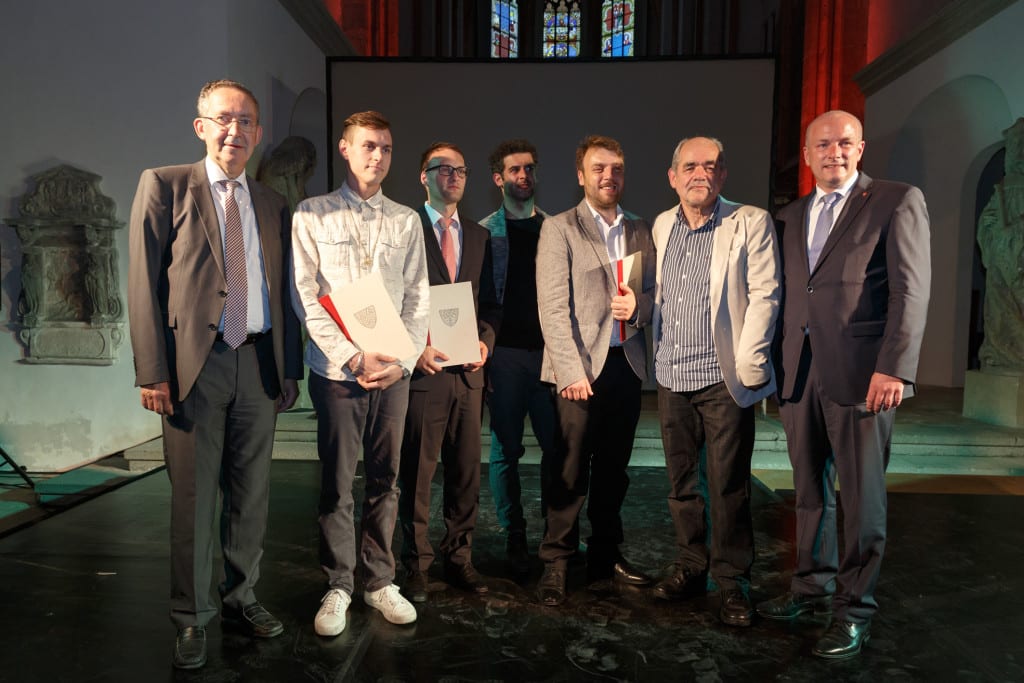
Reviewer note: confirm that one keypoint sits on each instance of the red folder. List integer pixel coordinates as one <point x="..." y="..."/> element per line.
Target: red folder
<point x="622" y="323"/>
<point x="326" y="302"/>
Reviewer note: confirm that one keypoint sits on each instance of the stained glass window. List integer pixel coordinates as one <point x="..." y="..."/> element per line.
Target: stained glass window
<point x="504" y="29"/>
<point x="618" y="22"/>
<point x="562" y="29"/>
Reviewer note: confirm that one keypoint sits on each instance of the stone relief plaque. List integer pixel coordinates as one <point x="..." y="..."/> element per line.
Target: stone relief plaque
<point x="70" y="305"/>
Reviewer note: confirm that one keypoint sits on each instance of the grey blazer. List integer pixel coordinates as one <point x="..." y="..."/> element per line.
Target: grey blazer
<point x="575" y="286"/>
<point x="176" y="282"/>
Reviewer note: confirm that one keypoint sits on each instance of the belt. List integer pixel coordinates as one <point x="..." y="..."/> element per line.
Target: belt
<point x="251" y="338"/>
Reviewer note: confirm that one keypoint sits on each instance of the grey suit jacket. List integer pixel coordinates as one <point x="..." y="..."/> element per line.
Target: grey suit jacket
<point x="575" y="286"/>
<point x="176" y="282"/>
<point x="744" y="291"/>
<point x="864" y="307"/>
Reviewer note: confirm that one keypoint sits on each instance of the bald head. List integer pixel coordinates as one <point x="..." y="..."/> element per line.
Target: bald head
<point x="833" y="147"/>
<point x="836" y="117"/>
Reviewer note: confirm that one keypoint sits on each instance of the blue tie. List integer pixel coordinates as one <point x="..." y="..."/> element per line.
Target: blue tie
<point x="821" y="229"/>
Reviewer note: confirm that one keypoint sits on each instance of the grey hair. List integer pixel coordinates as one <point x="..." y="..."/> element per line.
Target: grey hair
<point x="715" y="141"/>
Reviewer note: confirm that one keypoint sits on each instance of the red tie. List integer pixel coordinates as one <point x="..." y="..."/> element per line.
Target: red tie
<point x="448" y="248"/>
<point x="235" y="313"/>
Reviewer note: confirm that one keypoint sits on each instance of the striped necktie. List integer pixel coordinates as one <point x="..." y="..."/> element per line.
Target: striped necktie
<point x="235" y="307"/>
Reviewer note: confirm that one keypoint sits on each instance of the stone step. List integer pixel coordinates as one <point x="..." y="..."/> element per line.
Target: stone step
<point x="919" y="446"/>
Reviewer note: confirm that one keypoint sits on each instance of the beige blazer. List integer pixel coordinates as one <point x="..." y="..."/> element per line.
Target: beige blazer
<point x="744" y="296"/>
<point x="575" y="286"/>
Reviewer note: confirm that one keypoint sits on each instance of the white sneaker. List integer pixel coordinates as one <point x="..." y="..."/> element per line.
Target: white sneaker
<point x="330" y="618"/>
<point x="391" y="604"/>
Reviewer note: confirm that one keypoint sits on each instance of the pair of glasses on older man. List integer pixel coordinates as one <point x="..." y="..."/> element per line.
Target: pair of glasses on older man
<point x="447" y="169"/>
<point x="245" y="123"/>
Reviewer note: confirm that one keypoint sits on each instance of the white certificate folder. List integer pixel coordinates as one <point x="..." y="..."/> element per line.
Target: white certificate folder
<point x="365" y="313"/>
<point x="453" y="327"/>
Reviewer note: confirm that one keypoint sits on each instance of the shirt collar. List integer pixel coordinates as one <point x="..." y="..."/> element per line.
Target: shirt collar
<point x="215" y="174"/>
<point x="712" y="218"/>
<point x="434" y="216"/>
<point x="604" y="227"/>
<point x="843" y="191"/>
<point x="375" y="201"/>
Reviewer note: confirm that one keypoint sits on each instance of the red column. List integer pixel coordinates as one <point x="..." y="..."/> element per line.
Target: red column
<point x="835" y="48"/>
<point x="371" y="25"/>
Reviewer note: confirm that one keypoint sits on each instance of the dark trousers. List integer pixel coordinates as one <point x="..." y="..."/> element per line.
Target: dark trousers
<point x="351" y="419"/>
<point x="708" y="423"/>
<point x="219" y="443"/>
<point x="593" y="445"/>
<point x="443" y="422"/>
<point x="824" y="439"/>
<point x="515" y="390"/>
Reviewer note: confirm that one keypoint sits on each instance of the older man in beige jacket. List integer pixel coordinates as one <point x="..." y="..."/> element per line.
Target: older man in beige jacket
<point x="715" y="308"/>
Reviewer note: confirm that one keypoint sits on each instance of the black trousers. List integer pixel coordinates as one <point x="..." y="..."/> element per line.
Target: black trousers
<point x="826" y="438"/>
<point x="709" y="441"/>
<point x="442" y="423"/>
<point x="593" y="444"/>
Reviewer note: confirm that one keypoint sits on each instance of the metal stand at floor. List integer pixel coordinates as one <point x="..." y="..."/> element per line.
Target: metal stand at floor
<point x="17" y="468"/>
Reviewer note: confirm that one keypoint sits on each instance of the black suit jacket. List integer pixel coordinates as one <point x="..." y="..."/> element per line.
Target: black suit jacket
<point x="475" y="268"/>
<point x="866" y="301"/>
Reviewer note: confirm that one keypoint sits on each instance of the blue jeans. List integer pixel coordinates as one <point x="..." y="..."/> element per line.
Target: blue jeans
<point x="515" y="390"/>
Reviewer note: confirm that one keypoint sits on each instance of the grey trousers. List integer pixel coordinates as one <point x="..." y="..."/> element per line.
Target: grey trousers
<point x="351" y="419"/>
<point x="218" y="443"/>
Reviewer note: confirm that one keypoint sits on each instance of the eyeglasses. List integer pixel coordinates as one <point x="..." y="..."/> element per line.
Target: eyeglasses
<point x="447" y="169"/>
<point x="245" y="124"/>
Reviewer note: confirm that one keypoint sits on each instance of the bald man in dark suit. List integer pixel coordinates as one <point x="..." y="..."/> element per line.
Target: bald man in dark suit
<point x="217" y="354"/>
<point x="856" y="280"/>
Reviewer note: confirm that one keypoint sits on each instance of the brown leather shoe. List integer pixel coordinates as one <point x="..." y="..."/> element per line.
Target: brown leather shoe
<point x="551" y="588"/>
<point x="684" y="582"/>
<point x="842" y="640"/>
<point x="466" y="577"/>
<point x="736" y="609"/>
<point x="790" y="605"/>
<point x="190" y="648"/>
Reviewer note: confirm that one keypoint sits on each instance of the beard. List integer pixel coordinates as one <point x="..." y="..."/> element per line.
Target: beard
<point x="520" y="194"/>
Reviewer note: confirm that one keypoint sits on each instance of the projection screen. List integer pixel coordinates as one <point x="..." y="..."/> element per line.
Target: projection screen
<point x="648" y="106"/>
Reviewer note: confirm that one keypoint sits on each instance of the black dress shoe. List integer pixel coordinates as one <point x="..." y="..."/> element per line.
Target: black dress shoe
<point x="791" y="605"/>
<point x="415" y="587"/>
<point x="517" y="554"/>
<point x="466" y="577"/>
<point x="190" y="648"/>
<point x="624" y="572"/>
<point x="736" y="609"/>
<point x="254" y="621"/>
<point x="684" y="582"/>
<point x="842" y="640"/>
<point x="551" y="588"/>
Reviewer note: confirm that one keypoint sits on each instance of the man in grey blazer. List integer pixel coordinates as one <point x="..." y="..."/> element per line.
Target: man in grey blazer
<point x="596" y="370"/>
<point x="714" y="319"/>
<point x="857" y="271"/>
<point x="217" y="355"/>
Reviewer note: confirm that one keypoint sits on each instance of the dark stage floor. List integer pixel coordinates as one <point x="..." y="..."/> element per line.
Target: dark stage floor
<point x="84" y="598"/>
